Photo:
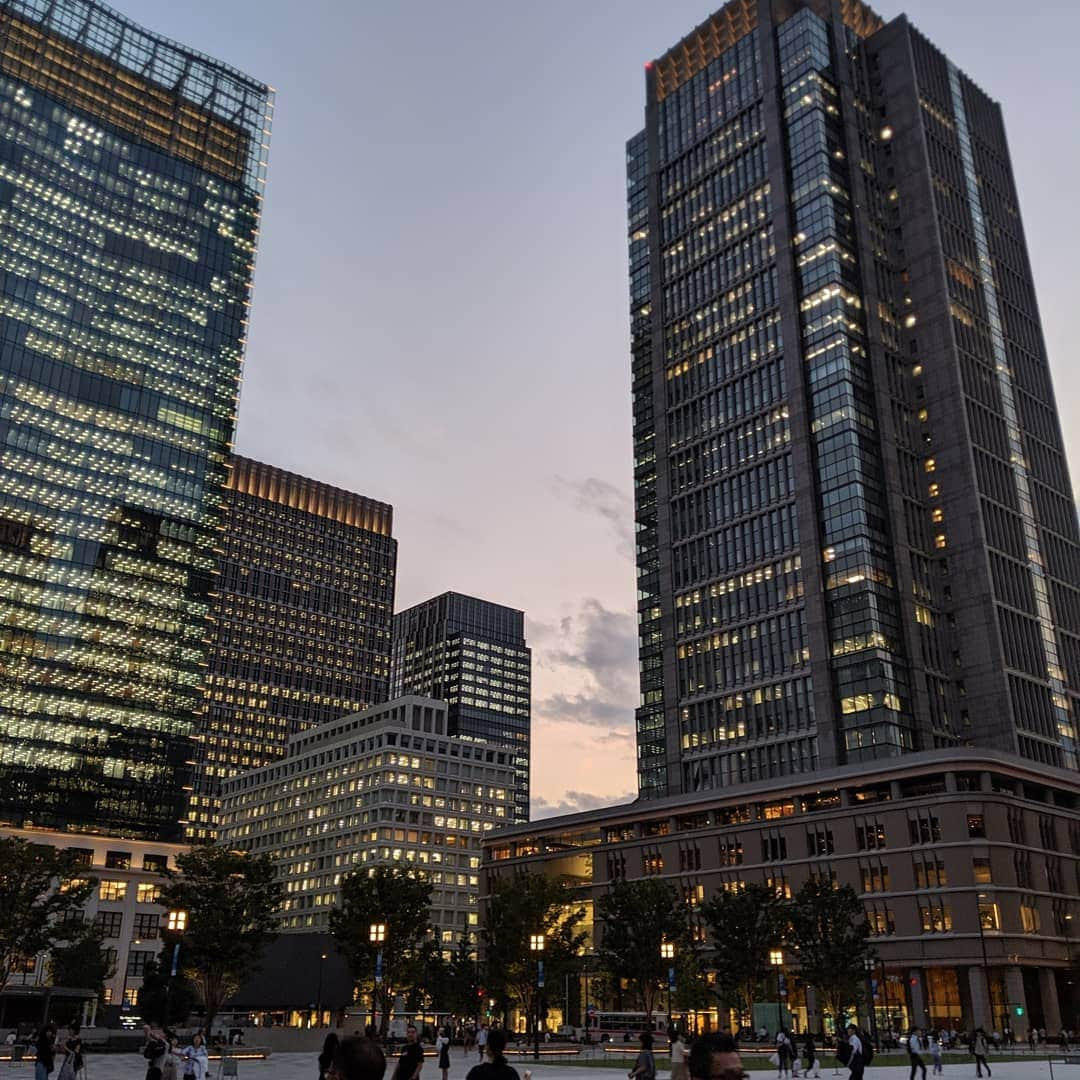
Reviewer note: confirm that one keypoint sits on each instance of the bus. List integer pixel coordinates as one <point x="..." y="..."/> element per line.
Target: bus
<point x="613" y="1027"/>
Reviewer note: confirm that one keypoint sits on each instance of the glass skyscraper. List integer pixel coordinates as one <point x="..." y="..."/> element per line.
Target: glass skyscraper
<point x="302" y="621"/>
<point x="131" y="173"/>
<point x="471" y="654"/>
<point x="856" y="532"/>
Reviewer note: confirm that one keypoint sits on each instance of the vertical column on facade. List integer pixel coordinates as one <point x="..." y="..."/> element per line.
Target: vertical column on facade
<point x="980" y="998"/>
<point x="917" y="992"/>
<point x="1048" y="992"/>
<point x="1015" y="996"/>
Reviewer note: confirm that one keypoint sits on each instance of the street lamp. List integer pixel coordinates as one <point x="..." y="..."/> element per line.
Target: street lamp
<point x="377" y="936"/>
<point x="536" y="945"/>
<point x="776" y="958"/>
<point x="868" y="963"/>
<point x="175" y="923"/>
<point x="979" y="898"/>
<point x="318" y="999"/>
<point x="667" y="952"/>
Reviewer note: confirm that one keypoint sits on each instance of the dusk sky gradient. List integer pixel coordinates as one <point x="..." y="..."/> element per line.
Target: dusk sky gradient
<point x="440" y="316"/>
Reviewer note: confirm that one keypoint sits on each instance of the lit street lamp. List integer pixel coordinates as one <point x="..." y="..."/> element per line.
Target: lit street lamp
<point x="667" y="952"/>
<point x="776" y="958"/>
<point x="175" y="923"/>
<point x="536" y="945"/>
<point x="868" y="963"/>
<point x="377" y="936"/>
<point x="318" y="999"/>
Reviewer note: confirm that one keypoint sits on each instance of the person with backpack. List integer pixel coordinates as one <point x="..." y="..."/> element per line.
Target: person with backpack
<point x="915" y="1049"/>
<point x="810" y="1058"/>
<point x="980" y="1049"/>
<point x="45" y="1052"/>
<point x="645" y="1064"/>
<point x="860" y="1052"/>
<point x="155" y="1051"/>
<point x="785" y="1054"/>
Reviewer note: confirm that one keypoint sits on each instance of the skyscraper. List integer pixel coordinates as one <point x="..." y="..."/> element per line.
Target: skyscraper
<point x="856" y="531"/>
<point x="131" y="171"/>
<point x="303" y="613"/>
<point x="471" y="654"/>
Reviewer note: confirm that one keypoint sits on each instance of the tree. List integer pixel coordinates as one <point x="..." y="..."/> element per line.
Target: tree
<point x="745" y="924"/>
<point x="163" y="998"/>
<point x="39" y="888"/>
<point x="82" y="962"/>
<point x="520" y="909"/>
<point x="399" y="901"/>
<point x="231" y="899"/>
<point x="637" y="918"/>
<point x="830" y="936"/>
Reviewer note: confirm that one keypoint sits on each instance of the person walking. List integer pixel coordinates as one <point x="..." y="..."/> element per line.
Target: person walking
<point x="196" y="1060"/>
<point x="935" y="1054"/>
<point x="980" y="1050"/>
<point x="45" y="1052"/>
<point x="495" y="1068"/>
<point x="356" y="1058"/>
<point x="916" y="1048"/>
<point x="70" y="1046"/>
<point x="644" y="1064"/>
<point x="678" y="1057"/>
<point x="784" y="1054"/>
<point x="810" y="1058"/>
<point x="412" y="1057"/>
<point x="442" y="1048"/>
<point x="856" y="1062"/>
<point x="481" y="1040"/>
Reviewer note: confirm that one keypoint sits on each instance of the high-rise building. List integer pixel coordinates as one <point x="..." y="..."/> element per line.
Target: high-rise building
<point x="302" y="613"/>
<point x="131" y="172"/>
<point x="471" y="654"/>
<point x="385" y="787"/>
<point x="856" y="532"/>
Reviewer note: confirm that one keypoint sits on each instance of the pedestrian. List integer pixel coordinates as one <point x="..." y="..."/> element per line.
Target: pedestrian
<point x="196" y="1060"/>
<point x="412" y="1056"/>
<point x="326" y="1055"/>
<point x="644" y="1064"/>
<point x="442" y="1048"/>
<point x="481" y="1040"/>
<point x="495" y="1068"/>
<point x="810" y="1058"/>
<point x="980" y="1050"/>
<point x="170" y="1067"/>
<point x="70" y="1045"/>
<point x="356" y="1058"/>
<point x="678" y="1057"/>
<point x="935" y="1054"/>
<point x="856" y="1062"/>
<point x="155" y="1051"/>
<point x="784" y="1054"/>
<point x="915" y="1049"/>
<point x="714" y="1057"/>
<point x="45" y="1051"/>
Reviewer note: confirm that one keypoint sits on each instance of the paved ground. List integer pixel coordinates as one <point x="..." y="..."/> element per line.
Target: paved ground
<point x="303" y="1067"/>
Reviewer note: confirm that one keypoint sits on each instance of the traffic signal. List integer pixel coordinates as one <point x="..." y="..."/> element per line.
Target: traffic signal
<point x="1019" y="1010"/>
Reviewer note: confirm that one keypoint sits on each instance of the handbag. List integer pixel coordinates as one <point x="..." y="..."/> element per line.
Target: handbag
<point x="774" y="1059"/>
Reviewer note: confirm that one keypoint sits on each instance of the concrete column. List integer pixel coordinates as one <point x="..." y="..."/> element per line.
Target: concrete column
<point x="1048" y="993"/>
<point x="1014" y="995"/>
<point x="917" y="993"/>
<point x="980" y="999"/>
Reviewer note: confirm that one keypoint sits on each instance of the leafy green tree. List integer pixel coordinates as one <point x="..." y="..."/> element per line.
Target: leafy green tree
<point x="745" y="925"/>
<point x="82" y="961"/>
<point x="398" y="900"/>
<point x="231" y="899"/>
<point x="518" y="909"/>
<point x="39" y="888"/>
<point x="162" y="997"/>
<point x="830" y="935"/>
<point x="637" y="918"/>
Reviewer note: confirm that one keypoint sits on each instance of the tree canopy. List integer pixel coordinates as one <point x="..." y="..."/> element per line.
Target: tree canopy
<point x="82" y="961"/>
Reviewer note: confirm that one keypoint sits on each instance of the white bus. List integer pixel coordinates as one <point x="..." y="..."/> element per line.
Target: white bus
<point x="613" y="1027"/>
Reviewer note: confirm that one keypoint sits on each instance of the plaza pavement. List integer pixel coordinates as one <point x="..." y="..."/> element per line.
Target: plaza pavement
<point x="304" y="1067"/>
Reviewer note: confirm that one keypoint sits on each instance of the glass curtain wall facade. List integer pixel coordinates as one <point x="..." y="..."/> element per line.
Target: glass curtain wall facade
<point x="471" y="654"/>
<point x="131" y="173"/>
<point x="302" y="621"/>
<point x="855" y="530"/>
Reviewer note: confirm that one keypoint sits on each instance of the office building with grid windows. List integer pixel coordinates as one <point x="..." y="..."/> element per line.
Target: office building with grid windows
<point x="131" y="173"/>
<point x="302" y="613"/>
<point x="856" y="532"/>
<point x="471" y="654"/>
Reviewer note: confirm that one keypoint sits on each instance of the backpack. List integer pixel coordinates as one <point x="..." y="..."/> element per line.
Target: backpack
<point x="843" y="1052"/>
<point x="867" y="1048"/>
<point x="153" y="1049"/>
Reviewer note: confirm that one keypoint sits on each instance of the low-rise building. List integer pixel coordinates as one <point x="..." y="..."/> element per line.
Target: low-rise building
<point x="386" y="786"/>
<point x="967" y="861"/>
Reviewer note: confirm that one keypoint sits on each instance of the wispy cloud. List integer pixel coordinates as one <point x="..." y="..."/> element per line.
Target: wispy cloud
<point x="613" y="504"/>
<point x="574" y="802"/>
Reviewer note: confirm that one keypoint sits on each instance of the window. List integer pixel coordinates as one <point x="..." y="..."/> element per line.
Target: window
<point x="929" y="875"/>
<point x="82" y="856"/>
<point x="147" y="892"/>
<point x="731" y="851"/>
<point x="980" y="871"/>
<point x="146" y="927"/>
<point x="117" y="860"/>
<point x="112" y="890"/>
<point x="936" y="918"/>
<point x="870" y="836"/>
<point x="773" y="848"/>
<point x="109" y="923"/>
<point x="875" y="878"/>
<point x="881" y="922"/>
<point x="976" y="826"/>
<point x="155" y="862"/>
<point x="137" y="961"/>
<point x="689" y="858"/>
<point x="819" y="842"/>
<point x="652" y="862"/>
<point x="1030" y="922"/>
<point x="988" y="915"/>
<point x="924" y="829"/>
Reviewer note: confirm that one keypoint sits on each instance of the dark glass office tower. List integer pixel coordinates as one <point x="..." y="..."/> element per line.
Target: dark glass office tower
<point x="471" y="654"/>
<point x="302" y="616"/>
<point x="131" y="173"/>
<point x="856" y="532"/>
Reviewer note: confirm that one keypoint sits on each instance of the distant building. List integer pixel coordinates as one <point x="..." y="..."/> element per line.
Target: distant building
<point x="856" y="533"/>
<point x="967" y="862"/>
<point x="131" y="173"/>
<point x="387" y="786"/>
<point x="471" y="654"/>
<point x="302" y="621"/>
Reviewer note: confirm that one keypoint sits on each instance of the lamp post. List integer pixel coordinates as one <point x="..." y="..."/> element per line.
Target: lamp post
<point x="776" y="958"/>
<point x="536" y="945"/>
<point x="318" y="999"/>
<point x="979" y="898"/>
<point x="667" y="952"/>
<point x="377" y="936"/>
<point x="868" y="963"/>
<point x="175" y="923"/>
<point x="1069" y="958"/>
